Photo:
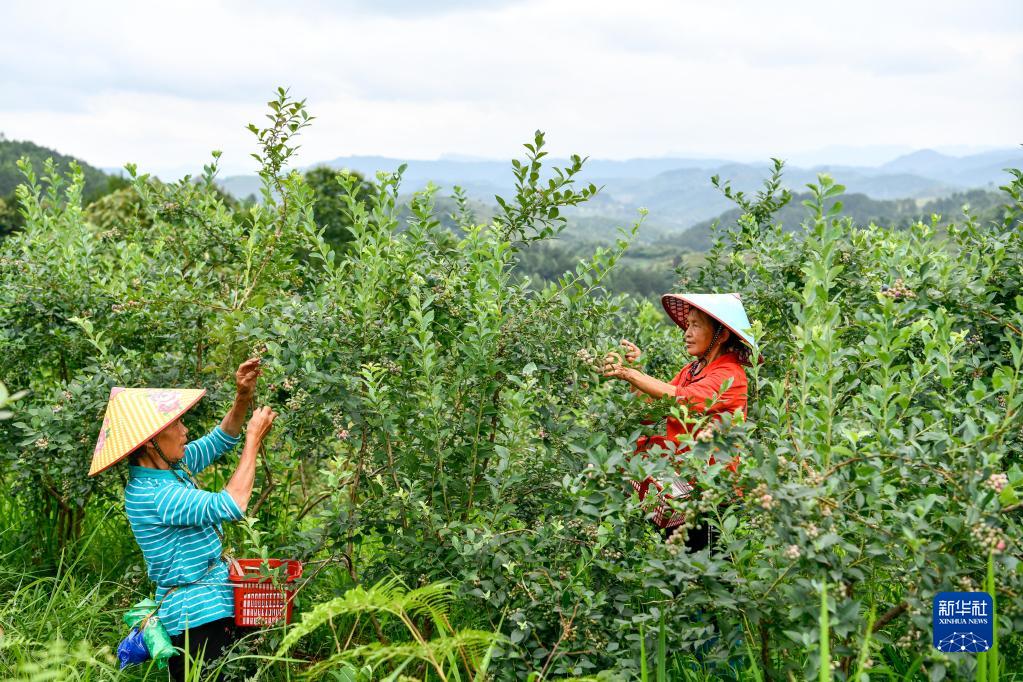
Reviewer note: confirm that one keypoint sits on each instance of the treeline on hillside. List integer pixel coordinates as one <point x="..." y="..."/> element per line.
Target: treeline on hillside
<point x="897" y="213"/>
<point x="12" y="150"/>
<point x="648" y="271"/>
<point x="97" y="183"/>
<point x="110" y="203"/>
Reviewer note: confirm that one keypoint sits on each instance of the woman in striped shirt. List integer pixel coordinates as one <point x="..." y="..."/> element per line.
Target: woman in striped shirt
<point x="177" y="525"/>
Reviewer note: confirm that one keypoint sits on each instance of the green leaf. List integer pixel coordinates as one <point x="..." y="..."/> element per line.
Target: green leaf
<point x="1008" y="496"/>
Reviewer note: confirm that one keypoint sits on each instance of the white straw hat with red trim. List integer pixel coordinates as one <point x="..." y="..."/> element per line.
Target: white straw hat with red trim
<point x="725" y="308"/>
<point x="135" y="415"/>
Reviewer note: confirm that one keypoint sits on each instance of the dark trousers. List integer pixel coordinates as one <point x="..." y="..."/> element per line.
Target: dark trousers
<point x="698" y="538"/>
<point x="210" y="639"/>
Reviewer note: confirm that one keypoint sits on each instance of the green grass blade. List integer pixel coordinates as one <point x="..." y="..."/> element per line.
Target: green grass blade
<point x="662" y="653"/>
<point x="824" y="673"/>
<point x="481" y="671"/>
<point x="754" y="665"/>
<point x="912" y="670"/>
<point x="992" y="656"/>
<point x="861" y="660"/>
<point x="643" y="673"/>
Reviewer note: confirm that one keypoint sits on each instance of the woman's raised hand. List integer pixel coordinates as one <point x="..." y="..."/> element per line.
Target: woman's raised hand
<point x="240" y="485"/>
<point x="246" y="377"/>
<point x="632" y="351"/>
<point x="259" y="424"/>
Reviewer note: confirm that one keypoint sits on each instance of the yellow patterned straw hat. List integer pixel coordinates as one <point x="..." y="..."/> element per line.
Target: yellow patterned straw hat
<point x="134" y="415"/>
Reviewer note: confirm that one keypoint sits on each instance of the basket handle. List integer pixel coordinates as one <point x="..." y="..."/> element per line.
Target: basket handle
<point x="235" y="566"/>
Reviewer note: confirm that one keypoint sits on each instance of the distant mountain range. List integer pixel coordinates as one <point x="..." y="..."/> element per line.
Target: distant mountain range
<point x="678" y="191"/>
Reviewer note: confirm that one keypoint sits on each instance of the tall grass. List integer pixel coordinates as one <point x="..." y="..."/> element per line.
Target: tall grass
<point x="988" y="663"/>
<point x="49" y="622"/>
<point x="64" y="623"/>
<point x="824" y="671"/>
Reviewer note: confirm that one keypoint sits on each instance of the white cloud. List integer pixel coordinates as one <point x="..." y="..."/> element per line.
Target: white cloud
<point x="164" y="84"/>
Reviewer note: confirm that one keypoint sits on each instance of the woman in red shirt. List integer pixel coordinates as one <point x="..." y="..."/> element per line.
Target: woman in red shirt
<point x="717" y="334"/>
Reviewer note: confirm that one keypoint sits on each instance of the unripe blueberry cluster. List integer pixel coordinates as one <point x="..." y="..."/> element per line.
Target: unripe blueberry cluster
<point x="297" y="400"/>
<point x="676" y="541"/>
<point x="596" y="359"/>
<point x="13" y="262"/>
<point x="127" y="305"/>
<point x="288" y="384"/>
<point x="706" y="433"/>
<point x="708" y="500"/>
<point x="897" y="291"/>
<point x="989" y="537"/>
<point x="966" y="584"/>
<point x="611" y="554"/>
<point x="908" y="639"/>
<point x="586" y="357"/>
<point x="997" y="482"/>
<point x="764" y="498"/>
<point x="813" y="477"/>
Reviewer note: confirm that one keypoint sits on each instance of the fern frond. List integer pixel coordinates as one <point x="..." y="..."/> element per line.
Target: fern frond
<point x="431" y="600"/>
<point x="387" y="596"/>
<point x="474" y="643"/>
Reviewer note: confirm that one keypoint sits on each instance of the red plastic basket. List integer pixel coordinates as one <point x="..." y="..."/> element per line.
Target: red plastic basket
<point x="257" y="601"/>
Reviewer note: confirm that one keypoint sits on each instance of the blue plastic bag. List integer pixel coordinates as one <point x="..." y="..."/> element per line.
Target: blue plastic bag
<point x="158" y="642"/>
<point x="132" y="649"/>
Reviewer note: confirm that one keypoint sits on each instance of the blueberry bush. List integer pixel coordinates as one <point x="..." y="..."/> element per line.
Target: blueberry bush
<point x="453" y="468"/>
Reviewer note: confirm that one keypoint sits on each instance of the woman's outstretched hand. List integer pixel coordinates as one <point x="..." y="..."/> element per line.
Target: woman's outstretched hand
<point x="632" y="351"/>
<point x="259" y="424"/>
<point x="615" y="367"/>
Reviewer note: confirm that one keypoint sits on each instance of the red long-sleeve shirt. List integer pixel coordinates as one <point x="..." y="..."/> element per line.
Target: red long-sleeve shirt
<point x="706" y="386"/>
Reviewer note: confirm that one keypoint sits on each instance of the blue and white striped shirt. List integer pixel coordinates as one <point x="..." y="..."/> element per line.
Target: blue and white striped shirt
<point x="174" y="523"/>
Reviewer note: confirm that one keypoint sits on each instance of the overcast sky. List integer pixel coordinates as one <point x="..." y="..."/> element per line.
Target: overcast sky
<point x="162" y="84"/>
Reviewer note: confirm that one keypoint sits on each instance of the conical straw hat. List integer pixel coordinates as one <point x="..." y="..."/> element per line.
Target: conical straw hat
<point x="134" y="415"/>
<point x="725" y="308"/>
